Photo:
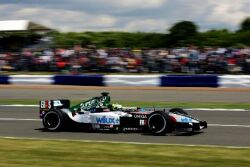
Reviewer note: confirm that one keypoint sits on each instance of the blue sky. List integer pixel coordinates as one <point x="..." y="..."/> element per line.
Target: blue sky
<point x="126" y="15"/>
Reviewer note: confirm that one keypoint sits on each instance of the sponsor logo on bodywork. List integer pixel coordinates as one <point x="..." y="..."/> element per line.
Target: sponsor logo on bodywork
<point x="98" y="126"/>
<point x="143" y="122"/>
<point x="42" y="113"/>
<point x="140" y="116"/>
<point x="88" y="104"/>
<point x="107" y="120"/>
<point x="130" y="129"/>
<point x="45" y="104"/>
<point x="186" y="120"/>
<point x="57" y="103"/>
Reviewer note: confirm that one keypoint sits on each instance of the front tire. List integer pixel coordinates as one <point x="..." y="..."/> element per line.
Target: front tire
<point x="159" y="123"/>
<point x="54" y="120"/>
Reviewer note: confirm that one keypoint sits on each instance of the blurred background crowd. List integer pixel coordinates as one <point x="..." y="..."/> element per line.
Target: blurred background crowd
<point x="83" y="60"/>
<point x="183" y="49"/>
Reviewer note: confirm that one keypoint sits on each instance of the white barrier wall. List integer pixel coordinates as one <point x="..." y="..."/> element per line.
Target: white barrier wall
<point x="226" y="81"/>
<point x="132" y="80"/>
<point x="234" y="81"/>
<point x="31" y="79"/>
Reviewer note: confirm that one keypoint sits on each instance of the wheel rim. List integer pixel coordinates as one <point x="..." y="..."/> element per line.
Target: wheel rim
<point x="52" y="121"/>
<point x="157" y="123"/>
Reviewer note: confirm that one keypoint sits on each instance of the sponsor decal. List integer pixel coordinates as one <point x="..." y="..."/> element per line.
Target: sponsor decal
<point x="42" y="113"/>
<point x="45" y="104"/>
<point x="107" y="120"/>
<point x="107" y="127"/>
<point x="57" y="103"/>
<point x="130" y="129"/>
<point x="96" y="126"/>
<point x="186" y="119"/>
<point x="143" y="122"/>
<point x="93" y="103"/>
<point x="102" y="127"/>
<point x="140" y="116"/>
<point x="88" y="103"/>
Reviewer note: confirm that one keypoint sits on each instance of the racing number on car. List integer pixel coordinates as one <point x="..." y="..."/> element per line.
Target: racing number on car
<point x="143" y="122"/>
<point x="46" y="104"/>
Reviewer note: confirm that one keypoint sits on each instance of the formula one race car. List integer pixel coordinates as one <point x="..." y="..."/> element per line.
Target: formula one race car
<point x="99" y="114"/>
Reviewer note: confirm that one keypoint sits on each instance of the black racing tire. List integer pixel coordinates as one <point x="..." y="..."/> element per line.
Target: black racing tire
<point x="178" y="110"/>
<point x="54" y="120"/>
<point x="159" y="123"/>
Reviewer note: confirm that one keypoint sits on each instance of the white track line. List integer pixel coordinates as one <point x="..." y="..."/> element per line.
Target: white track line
<point x="215" y="109"/>
<point x="18" y="119"/>
<point x="18" y="105"/>
<point x="221" y="125"/>
<point x="121" y="142"/>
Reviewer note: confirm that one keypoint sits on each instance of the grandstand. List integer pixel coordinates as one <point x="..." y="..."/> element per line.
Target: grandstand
<point x="21" y="25"/>
<point x="16" y="34"/>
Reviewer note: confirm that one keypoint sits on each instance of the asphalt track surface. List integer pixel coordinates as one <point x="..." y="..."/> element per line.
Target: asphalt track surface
<point x="228" y="128"/>
<point x="126" y="93"/>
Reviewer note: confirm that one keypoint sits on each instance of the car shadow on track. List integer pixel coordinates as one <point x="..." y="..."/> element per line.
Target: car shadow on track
<point x="77" y="131"/>
<point x="116" y="132"/>
<point x="187" y="134"/>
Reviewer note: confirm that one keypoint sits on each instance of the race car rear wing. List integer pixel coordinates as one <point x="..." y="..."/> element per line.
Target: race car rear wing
<point x="51" y="104"/>
<point x="47" y="105"/>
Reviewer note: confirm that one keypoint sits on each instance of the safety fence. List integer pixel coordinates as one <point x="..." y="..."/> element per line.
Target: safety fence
<point x="132" y="80"/>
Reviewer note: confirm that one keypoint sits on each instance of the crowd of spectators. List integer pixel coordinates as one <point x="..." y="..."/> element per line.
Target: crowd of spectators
<point x="83" y="60"/>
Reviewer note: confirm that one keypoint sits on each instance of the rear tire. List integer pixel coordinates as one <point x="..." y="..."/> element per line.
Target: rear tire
<point x="178" y="110"/>
<point x="54" y="120"/>
<point x="159" y="123"/>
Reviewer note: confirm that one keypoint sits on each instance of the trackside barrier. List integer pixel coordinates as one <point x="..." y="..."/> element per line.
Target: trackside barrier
<point x="189" y="81"/>
<point x="4" y="79"/>
<point x="83" y="80"/>
<point x="31" y="79"/>
<point x="234" y="81"/>
<point x="132" y="80"/>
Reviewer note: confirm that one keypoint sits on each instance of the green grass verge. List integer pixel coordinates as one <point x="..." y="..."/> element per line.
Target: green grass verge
<point x="148" y="104"/>
<point x="40" y="153"/>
